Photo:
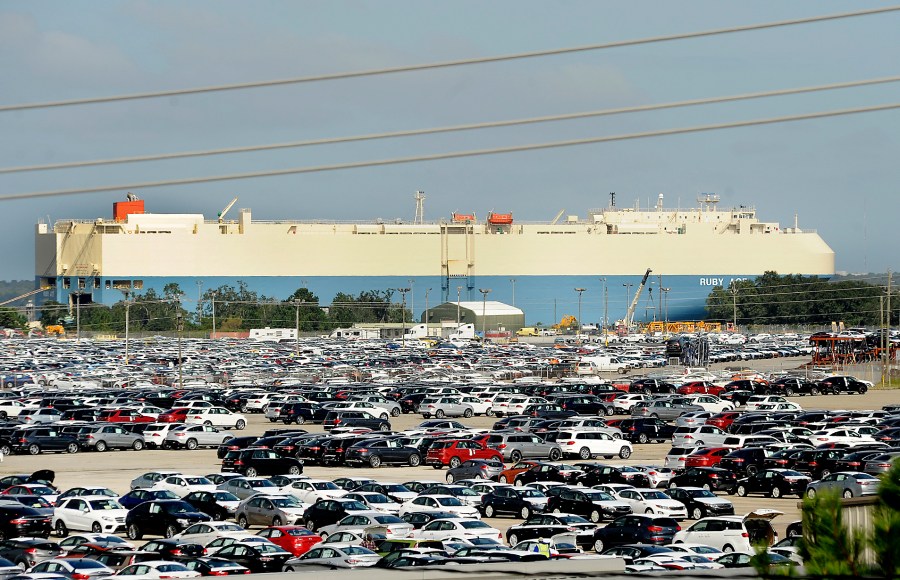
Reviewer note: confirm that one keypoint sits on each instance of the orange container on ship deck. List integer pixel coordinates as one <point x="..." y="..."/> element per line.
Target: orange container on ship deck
<point x="500" y="219"/>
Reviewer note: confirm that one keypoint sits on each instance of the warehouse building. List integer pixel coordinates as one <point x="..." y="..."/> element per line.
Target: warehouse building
<point x="490" y="316"/>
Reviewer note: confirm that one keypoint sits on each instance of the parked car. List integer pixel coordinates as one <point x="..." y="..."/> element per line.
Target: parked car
<point x="774" y="483"/>
<point x="161" y="518"/>
<point x="35" y="440"/>
<point x="700" y="502"/>
<point x="589" y="503"/>
<point x="252" y="462"/>
<point x="588" y="444"/>
<point x="269" y="510"/>
<point x="295" y="539"/>
<point x="98" y="514"/>
<point x="546" y="526"/>
<point x="194" y="436"/>
<point x="847" y="483"/>
<point x="453" y="452"/>
<point x="708" y="478"/>
<point x="517" y="446"/>
<point x="376" y="452"/>
<point x="636" y="529"/>
<point x="520" y="501"/>
<point x="475" y="469"/>
<point x="732" y="533"/>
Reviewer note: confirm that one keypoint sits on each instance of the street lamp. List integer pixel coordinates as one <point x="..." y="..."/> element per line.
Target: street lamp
<point x="458" y="291"/>
<point x="179" y="326"/>
<point x="77" y="314"/>
<point x="665" y="292"/>
<point x="213" y="300"/>
<point x="199" y="302"/>
<point x="412" y="297"/>
<point x="403" y="292"/>
<point x="427" y="290"/>
<point x="513" y="282"/>
<point x="127" y="309"/>
<point x="580" y="324"/>
<point x="605" y="311"/>
<point x="297" y="327"/>
<point x="484" y="293"/>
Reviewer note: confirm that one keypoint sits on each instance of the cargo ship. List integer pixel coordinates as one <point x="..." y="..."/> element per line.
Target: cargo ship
<point x="537" y="267"/>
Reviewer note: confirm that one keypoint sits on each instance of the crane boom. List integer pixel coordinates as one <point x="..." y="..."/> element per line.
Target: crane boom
<point x="26" y="295"/>
<point x="629" y="316"/>
<point x="559" y="215"/>
<point x="227" y="207"/>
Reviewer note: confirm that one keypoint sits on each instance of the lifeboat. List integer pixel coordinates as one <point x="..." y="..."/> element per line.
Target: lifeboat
<point x="500" y="219"/>
<point x="463" y="218"/>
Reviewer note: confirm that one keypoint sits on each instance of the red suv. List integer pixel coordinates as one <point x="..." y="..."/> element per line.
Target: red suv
<point x="174" y="416"/>
<point x="125" y="416"/>
<point x="707" y="457"/>
<point x="700" y="388"/>
<point x="723" y="420"/>
<point x="454" y="452"/>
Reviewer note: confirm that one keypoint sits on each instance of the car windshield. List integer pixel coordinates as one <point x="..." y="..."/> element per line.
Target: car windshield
<point x="378" y="498"/>
<point x="355" y="506"/>
<point x="654" y="495"/>
<point x="84" y="563"/>
<point x="789" y="473"/>
<point x="465" y="492"/>
<point x="396" y="488"/>
<point x="286" y="502"/>
<point x="179" y="507"/>
<point x="389" y="520"/>
<point x="473" y="524"/>
<point x="266" y="547"/>
<point x="105" y="504"/>
<point x="324" y="485"/>
<point x="197" y="481"/>
<point x="299" y="532"/>
<point x="574" y="519"/>
<point x="701" y="493"/>
<point x="452" y="501"/>
<point x="356" y="551"/>
<point x="165" y="494"/>
<point x="225" y="496"/>
<point x="260" y="483"/>
<point x="531" y="493"/>
<point x="598" y="496"/>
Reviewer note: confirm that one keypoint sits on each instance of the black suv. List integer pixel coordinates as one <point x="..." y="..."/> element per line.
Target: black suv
<point x="645" y="429"/>
<point x="746" y="461"/>
<point x="375" y="452"/>
<point x="354" y="419"/>
<point x="648" y="386"/>
<point x="790" y="386"/>
<point x="597" y="474"/>
<point x="34" y="440"/>
<point x="843" y="384"/>
<point x="16" y="520"/>
<point x="300" y="413"/>
<point x="636" y="529"/>
<point x="165" y="517"/>
<point x="252" y="462"/>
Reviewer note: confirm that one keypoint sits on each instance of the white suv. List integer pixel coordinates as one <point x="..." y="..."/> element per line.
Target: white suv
<point x="732" y="533"/>
<point x="588" y="444"/>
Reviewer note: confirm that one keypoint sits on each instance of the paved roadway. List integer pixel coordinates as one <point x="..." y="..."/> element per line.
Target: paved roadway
<point x="116" y="469"/>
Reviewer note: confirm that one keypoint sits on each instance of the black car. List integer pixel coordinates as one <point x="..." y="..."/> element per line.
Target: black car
<point x="17" y="520"/>
<point x="172" y="549"/>
<point x="419" y="519"/>
<point x="645" y="429"/>
<point x="709" y="478"/>
<point x="549" y="525"/>
<point x="235" y="444"/>
<point x="584" y="405"/>
<point x="355" y="419"/>
<point x="256" y="557"/>
<point x="774" y="483"/>
<point x="746" y="461"/>
<point x="376" y="452"/>
<point x="651" y="386"/>
<point x="391" y="490"/>
<point x="818" y="463"/>
<point x="700" y="502"/>
<point x="311" y="450"/>
<point x="635" y="529"/>
<point x="162" y="518"/>
<point x="26" y="552"/>
<point x="330" y="511"/>
<point x="252" y="462"/>
<point x="589" y="503"/>
<point x="335" y="449"/>
<point x="288" y="447"/>
<point x="545" y="472"/>
<point x="215" y="566"/>
<point x="34" y="440"/>
<point x="519" y="501"/>
<point x="599" y="474"/>
<point x="300" y="413"/>
<point x="842" y="384"/>
<point x="789" y="386"/>
<point x="209" y="502"/>
<point x="409" y="403"/>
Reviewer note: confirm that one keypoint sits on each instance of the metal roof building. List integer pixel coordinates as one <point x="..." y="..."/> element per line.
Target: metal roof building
<point x="490" y="315"/>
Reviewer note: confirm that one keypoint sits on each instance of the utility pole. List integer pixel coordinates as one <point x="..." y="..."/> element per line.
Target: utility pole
<point x="412" y="298"/>
<point x="580" y="323"/>
<point x="734" y="297"/>
<point x="886" y="334"/>
<point x="403" y="292"/>
<point x="77" y="315"/>
<point x="427" y="291"/>
<point x="513" y="282"/>
<point x="179" y="326"/>
<point x="127" y="308"/>
<point x="214" y="313"/>
<point x="199" y="302"/>
<point x="605" y="312"/>
<point x="458" y="291"/>
<point x="484" y="293"/>
<point x="297" y="327"/>
<point x="665" y="292"/>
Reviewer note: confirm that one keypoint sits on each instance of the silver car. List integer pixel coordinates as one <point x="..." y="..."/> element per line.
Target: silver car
<point x="847" y="483"/>
<point x="881" y="463"/>
<point x="333" y="556"/>
<point x="702" y="436"/>
<point x="449" y="406"/>
<point x="244" y="487"/>
<point x="269" y="510"/>
<point x="194" y="436"/>
<point x="517" y="446"/>
<point x="109" y="437"/>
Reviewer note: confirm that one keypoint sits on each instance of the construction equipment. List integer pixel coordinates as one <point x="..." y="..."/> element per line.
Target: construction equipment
<point x="56" y="330"/>
<point x="629" y="315"/>
<point x="225" y="211"/>
<point x="26" y="295"/>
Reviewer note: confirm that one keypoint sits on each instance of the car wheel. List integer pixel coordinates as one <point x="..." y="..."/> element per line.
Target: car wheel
<point x="243" y="522"/>
<point x="439" y="413"/>
<point x="61" y="530"/>
<point x="862" y="390"/>
<point x="208" y="423"/>
<point x="97" y="528"/>
<point x="374" y="461"/>
<point x="649" y="512"/>
<point x="489" y="511"/>
<point x="825" y="473"/>
<point x="776" y="492"/>
<point x="191" y="444"/>
<point x="595" y="516"/>
<point x="134" y="532"/>
<point x="455" y="462"/>
<point x="489" y="413"/>
<point x="555" y="455"/>
<point x="515" y="456"/>
<point x="556" y="511"/>
<point x="811" y="493"/>
<point x="5" y="449"/>
<point x="502" y="479"/>
<point x="300" y="420"/>
<point x="251" y="472"/>
<point x="814" y="391"/>
<point x="848" y="494"/>
<point x="240" y="425"/>
<point x="384" y="427"/>
<point x="295" y="470"/>
<point x="468" y="413"/>
<point x="742" y="491"/>
<point x="137" y="445"/>
<point x="609" y="411"/>
<point x="450" y="478"/>
<point x="72" y="448"/>
<point x="384" y="417"/>
<point x="598" y="546"/>
<point x="34" y="449"/>
<point x="584" y="453"/>
<point x="395" y="412"/>
<point x="415" y="460"/>
<point x="642" y="438"/>
<point x="707" y="487"/>
<point x="513" y="539"/>
<point x="525" y="513"/>
<point x="788" y="392"/>
<point x="101" y="446"/>
<point x="276" y="521"/>
<point x="624" y="453"/>
<point x="697" y="513"/>
<point x="171" y="531"/>
<point x="728" y="548"/>
<point x="311" y="525"/>
<point x="751" y="470"/>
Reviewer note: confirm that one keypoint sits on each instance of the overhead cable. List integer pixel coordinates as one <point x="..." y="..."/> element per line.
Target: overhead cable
<point x="449" y="155"/>
<point x="448" y="129"/>
<point x="446" y="64"/>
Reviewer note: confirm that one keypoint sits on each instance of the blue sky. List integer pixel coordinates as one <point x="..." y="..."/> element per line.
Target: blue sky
<point x="840" y="175"/>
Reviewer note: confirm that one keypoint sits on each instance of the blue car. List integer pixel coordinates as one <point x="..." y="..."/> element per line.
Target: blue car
<point x="138" y="496"/>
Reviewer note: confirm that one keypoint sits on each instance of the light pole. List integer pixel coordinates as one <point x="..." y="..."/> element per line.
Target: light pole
<point x="605" y="306"/>
<point x="458" y="291"/>
<point x="403" y="292"/>
<point x="412" y="297"/>
<point x="580" y="324"/>
<point x="199" y="302"/>
<point x="213" y="300"/>
<point x="179" y="326"/>
<point x="127" y="309"/>
<point x="484" y="293"/>
<point x="77" y="314"/>
<point x="297" y="327"/>
<point x="427" y="291"/>
<point x="513" y="282"/>
<point x="665" y="292"/>
<point x="734" y="302"/>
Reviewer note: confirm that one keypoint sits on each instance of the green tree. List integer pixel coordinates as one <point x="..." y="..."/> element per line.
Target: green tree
<point x="52" y="312"/>
<point x="9" y="318"/>
<point x="828" y="548"/>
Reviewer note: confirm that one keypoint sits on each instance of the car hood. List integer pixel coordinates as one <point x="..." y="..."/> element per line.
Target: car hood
<point x="666" y="503"/>
<point x="712" y="500"/>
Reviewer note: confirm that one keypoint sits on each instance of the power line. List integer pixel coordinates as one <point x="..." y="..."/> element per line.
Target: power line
<point x="452" y="154"/>
<point x="451" y="128"/>
<point x="447" y="64"/>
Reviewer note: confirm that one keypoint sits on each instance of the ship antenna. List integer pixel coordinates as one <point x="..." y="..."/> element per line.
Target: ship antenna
<point x="420" y="207"/>
<point x="612" y="199"/>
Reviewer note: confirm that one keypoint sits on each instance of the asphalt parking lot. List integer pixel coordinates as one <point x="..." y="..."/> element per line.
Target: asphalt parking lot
<point x="116" y="469"/>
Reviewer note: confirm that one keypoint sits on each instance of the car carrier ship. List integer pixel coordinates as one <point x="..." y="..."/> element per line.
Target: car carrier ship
<point x="538" y="267"/>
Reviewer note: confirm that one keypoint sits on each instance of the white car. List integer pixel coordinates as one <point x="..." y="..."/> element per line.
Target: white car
<point x="95" y="513"/>
<point x="711" y="403"/>
<point x="365" y="406"/>
<point x="622" y="405"/>
<point x="359" y="522"/>
<point x="588" y="444"/>
<point x="312" y="490"/>
<point x="439" y="503"/>
<point x="517" y="405"/>
<point x="333" y="556"/>
<point x="479" y="406"/>
<point x="206" y="532"/>
<point x="702" y="436"/>
<point x="465" y="528"/>
<point x="653" y="501"/>
<point x="731" y="533"/>
<point x="181" y="485"/>
<point x="844" y="436"/>
<point x="157" y="569"/>
<point x="376" y="501"/>
<point x="755" y="401"/>
<point x="12" y="408"/>
<point x="217" y="417"/>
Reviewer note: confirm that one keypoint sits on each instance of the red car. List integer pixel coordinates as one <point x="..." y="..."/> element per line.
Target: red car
<point x="454" y="452"/>
<point x="706" y="457"/>
<point x="723" y="420"/>
<point x="124" y="416"/>
<point x="174" y="416"/>
<point x="700" y="388"/>
<point x="509" y="475"/>
<point x="295" y="539"/>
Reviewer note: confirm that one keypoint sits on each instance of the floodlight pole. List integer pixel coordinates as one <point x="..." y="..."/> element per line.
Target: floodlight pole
<point x="484" y="293"/>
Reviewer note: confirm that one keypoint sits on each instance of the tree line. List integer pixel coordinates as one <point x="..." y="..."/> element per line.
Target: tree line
<point x="775" y="299"/>
<point x="236" y="308"/>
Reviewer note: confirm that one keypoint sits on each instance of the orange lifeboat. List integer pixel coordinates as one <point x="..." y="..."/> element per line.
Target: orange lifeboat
<point x="463" y="218"/>
<point x="500" y="219"/>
